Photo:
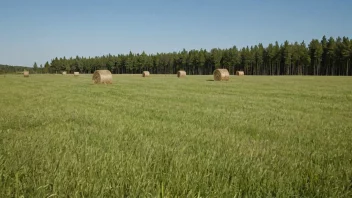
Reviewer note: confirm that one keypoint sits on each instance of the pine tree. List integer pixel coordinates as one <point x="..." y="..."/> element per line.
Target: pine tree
<point x="46" y="67"/>
<point x="287" y="57"/>
<point x="330" y="56"/>
<point x="324" y="57"/>
<point x="35" y="67"/>
<point x="346" y="53"/>
<point x="316" y="51"/>
<point x="324" y="60"/>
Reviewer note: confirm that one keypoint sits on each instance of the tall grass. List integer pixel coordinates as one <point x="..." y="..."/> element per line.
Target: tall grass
<point x="167" y="137"/>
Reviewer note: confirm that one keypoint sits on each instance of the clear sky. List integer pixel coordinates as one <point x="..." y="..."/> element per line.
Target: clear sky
<point x="39" y="30"/>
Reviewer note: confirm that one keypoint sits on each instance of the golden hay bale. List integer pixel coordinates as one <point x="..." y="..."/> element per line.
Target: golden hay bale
<point x="26" y="73"/>
<point x="240" y="73"/>
<point x="64" y="73"/>
<point x="76" y="73"/>
<point x="221" y="75"/>
<point x="145" y="74"/>
<point x="181" y="74"/>
<point x="102" y="77"/>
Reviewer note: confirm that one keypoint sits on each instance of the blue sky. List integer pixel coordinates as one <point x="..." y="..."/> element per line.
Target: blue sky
<point x="39" y="30"/>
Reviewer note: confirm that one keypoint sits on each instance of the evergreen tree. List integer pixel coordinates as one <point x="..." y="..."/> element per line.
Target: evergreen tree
<point x="287" y="57"/>
<point x="35" y="67"/>
<point x="330" y="56"/>
<point x="325" y="57"/>
<point x="46" y="67"/>
<point x="316" y="51"/>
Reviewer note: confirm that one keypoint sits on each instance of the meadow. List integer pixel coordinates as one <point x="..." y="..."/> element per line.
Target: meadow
<point x="253" y="136"/>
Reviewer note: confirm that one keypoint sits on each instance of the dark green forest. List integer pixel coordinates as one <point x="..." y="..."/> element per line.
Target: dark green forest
<point x="328" y="56"/>
<point x="14" y="69"/>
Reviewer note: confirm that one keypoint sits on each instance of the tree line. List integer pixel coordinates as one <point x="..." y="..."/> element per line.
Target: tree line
<point x="13" y="69"/>
<point x="320" y="57"/>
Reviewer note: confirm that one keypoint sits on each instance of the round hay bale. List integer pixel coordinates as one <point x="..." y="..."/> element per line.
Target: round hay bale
<point x="240" y="73"/>
<point x="221" y="75"/>
<point x="64" y="73"/>
<point x="76" y="73"/>
<point x="181" y="74"/>
<point x="145" y="73"/>
<point x="102" y="77"/>
<point x="26" y="73"/>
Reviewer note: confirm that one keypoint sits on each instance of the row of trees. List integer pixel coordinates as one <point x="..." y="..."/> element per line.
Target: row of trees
<point x="13" y="69"/>
<point x="320" y="57"/>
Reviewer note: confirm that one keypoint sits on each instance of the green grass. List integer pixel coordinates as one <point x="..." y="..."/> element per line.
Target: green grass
<point x="254" y="136"/>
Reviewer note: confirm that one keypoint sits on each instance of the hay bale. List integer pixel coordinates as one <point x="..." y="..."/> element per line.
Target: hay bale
<point x="76" y="73"/>
<point x="221" y="75"/>
<point x="181" y="74"/>
<point x="26" y="73"/>
<point x="64" y="73"/>
<point x="102" y="77"/>
<point x="145" y="73"/>
<point x="240" y="73"/>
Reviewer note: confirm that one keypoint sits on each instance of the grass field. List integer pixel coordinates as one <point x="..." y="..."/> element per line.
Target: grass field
<point x="254" y="136"/>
